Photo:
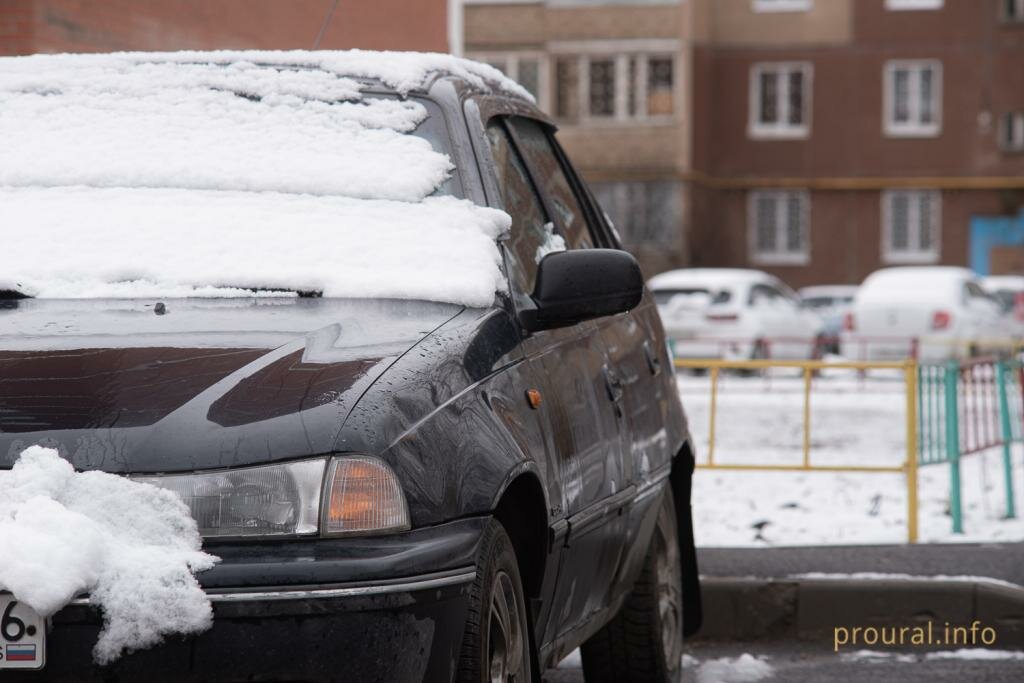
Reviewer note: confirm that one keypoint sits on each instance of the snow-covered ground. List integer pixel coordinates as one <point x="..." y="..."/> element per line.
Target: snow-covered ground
<point x="854" y="421"/>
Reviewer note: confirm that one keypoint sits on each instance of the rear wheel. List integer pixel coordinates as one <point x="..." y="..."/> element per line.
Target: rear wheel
<point x="758" y="352"/>
<point x="644" y="642"/>
<point x="496" y="646"/>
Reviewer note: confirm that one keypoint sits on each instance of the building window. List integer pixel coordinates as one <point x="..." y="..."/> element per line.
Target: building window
<point x="913" y="4"/>
<point x="782" y="5"/>
<point x="601" y="79"/>
<point x="780" y="100"/>
<point x="1013" y="10"/>
<point x="779" y="227"/>
<point x="911" y="226"/>
<point x="529" y="69"/>
<point x="615" y="87"/>
<point x="913" y="99"/>
<point x="1011" y="135"/>
<point x="643" y="213"/>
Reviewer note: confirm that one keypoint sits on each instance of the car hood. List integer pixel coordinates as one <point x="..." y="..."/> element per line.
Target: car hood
<point x="132" y="386"/>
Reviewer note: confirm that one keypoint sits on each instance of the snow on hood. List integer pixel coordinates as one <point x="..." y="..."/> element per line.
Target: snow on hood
<point x="133" y="547"/>
<point x="234" y="133"/>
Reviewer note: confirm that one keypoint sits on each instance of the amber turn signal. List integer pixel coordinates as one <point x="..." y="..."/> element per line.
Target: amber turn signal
<point x="363" y="496"/>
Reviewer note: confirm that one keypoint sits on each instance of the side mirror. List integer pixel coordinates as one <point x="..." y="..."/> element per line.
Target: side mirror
<point x="573" y="286"/>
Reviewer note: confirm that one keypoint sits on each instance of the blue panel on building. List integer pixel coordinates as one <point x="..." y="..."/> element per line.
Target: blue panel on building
<point x="993" y="231"/>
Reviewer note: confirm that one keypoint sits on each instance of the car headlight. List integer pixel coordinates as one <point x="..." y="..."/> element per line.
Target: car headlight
<point x="359" y="495"/>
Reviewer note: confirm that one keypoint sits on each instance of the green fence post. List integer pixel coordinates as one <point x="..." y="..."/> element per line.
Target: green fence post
<point x="1004" y="423"/>
<point x="953" y="444"/>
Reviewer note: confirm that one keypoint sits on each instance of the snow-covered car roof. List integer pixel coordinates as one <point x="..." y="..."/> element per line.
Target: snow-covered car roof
<point x="992" y="283"/>
<point x="707" y="277"/>
<point x="913" y="283"/>
<point x="214" y="172"/>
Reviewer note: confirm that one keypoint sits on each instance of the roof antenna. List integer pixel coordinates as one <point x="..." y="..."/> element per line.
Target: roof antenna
<point x="323" y="26"/>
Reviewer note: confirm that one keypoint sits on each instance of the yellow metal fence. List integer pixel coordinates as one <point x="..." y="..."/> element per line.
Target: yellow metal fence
<point x="808" y="369"/>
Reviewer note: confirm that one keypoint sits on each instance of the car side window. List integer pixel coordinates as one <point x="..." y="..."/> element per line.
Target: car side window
<point x="531" y="230"/>
<point x="547" y="170"/>
<point x="763" y="294"/>
<point x="786" y="295"/>
<point x="975" y="291"/>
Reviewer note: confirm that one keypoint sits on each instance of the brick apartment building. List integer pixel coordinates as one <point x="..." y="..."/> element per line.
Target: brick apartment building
<point x="29" y="26"/>
<point x="816" y="139"/>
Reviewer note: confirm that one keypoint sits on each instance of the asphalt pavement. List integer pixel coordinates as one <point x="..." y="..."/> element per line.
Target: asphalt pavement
<point x="795" y="660"/>
<point x="803" y="663"/>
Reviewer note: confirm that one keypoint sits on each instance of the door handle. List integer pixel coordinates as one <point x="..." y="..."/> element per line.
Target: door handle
<point x="653" y="362"/>
<point x="614" y="386"/>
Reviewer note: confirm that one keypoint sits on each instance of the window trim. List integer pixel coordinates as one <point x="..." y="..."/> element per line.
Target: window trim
<point x="787" y="258"/>
<point x="913" y="5"/>
<point x="620" y="51"/>
<point x="782" y="130"/>
<point x="1007" y="17"/>
<point x="915" y="256"/>
<point x="770" y="6"/>
<point x="913" y="129"/>
<point x="1011" y="132"/>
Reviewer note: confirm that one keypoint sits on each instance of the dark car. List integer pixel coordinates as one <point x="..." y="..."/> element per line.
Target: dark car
<point x="398" y="490"/>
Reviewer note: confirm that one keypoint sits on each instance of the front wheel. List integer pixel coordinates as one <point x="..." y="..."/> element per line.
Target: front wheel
<point x="643" y="643"/>
<point x="496" y="645"/>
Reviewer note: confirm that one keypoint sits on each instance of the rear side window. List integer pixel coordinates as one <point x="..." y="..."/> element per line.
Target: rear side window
<point x="553" y="181"/>
<point x="763" y="294"/>
<point x="530" y="228"/>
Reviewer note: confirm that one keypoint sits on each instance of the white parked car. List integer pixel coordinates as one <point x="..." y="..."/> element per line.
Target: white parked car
<point x="1009" y="291"/>
<point x="733" y="313"/>
<point x="942" y="311"/>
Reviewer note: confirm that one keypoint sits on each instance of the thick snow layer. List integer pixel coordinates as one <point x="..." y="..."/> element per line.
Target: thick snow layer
<point x="154" y="240"/>
<point x="165" y="165"/>
<point x="853" y="422"/>
<point x="132" y="547"/>
<point x="125" y="121"/>
<point x="743" y="669"/>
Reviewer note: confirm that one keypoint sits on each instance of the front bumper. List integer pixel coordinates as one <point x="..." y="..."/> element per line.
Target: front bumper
<point x="362" y="626"/>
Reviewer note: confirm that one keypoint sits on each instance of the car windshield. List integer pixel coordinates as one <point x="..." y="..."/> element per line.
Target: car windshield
<point x="1006" y="297"/>
<point x="826" y="301"/>
<point x="156" y="176"/>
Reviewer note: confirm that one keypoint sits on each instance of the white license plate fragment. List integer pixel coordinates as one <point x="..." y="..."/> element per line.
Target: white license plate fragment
<point x="22" y="635"/>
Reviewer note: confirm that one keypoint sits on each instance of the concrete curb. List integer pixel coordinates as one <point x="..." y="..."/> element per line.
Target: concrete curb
<point x="810" y="609"/>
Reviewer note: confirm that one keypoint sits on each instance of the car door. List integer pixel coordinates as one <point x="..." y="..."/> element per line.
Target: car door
<point x="799" y="326"/>
<point x="635" y="357"/>
<point x="987" y="319"/>
<point x="763" y="304"/>
<point x="582" y="429"/>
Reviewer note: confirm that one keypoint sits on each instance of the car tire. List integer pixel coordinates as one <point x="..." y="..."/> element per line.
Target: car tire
<point x="496" y="642"/>
<point x="643" y="642"/>
<point x="758" y="352"/>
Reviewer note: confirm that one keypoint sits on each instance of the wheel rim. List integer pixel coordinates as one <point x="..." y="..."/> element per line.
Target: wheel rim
<point x="670" y="593"/>
<point x="506" y="645"/>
